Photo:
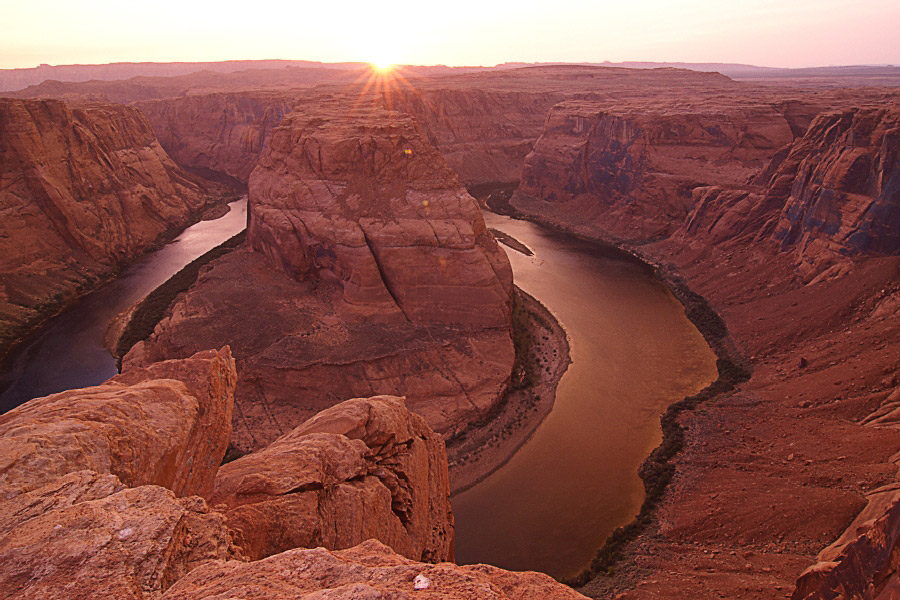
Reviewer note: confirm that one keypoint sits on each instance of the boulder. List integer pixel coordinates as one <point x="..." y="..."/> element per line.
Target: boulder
<point x="365" y="468"/>
<point x="167" y="424"/>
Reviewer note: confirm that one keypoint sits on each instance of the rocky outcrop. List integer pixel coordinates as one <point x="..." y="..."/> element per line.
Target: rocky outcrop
<point x="82" y="510"/>
<point x="369" y="570"/>
<point x="132" y="544"/>
<point x="366" y="468"/>
<point x="167" y="425"/>
<point x="374" y="274"/>
<point x="83" y="190"/>
<point x="844" y="177"/>
<point x="364" y="204"/>
<point x="863" y="562"/>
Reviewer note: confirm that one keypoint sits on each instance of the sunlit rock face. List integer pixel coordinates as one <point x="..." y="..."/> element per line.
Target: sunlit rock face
<point x="369" y="570"/>
<point x="97" y="484"/>
<point x="362" y="202"/>
<point x="167" y="424"/>
<point x="82" y="191"/>
<point x="365" y="468"/>
<point x="368" y="271"/>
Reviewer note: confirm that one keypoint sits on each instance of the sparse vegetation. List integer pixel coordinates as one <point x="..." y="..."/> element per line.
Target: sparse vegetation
<point x="657" y="471"/>
<point x="154" y="306"/>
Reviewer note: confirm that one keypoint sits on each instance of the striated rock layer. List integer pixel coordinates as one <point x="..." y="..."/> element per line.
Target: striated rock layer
<point x="83" y="190"/>
<point x="366" y="468"/>
<point x="372" y="273"/>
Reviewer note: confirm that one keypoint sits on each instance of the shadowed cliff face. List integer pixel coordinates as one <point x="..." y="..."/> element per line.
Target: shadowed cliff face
<point x="371" y="273"/>
<point x="222" y="132"/>
<point x="636" y="168"/>
<point x="845" y="192"/>
<point x="82" y="191"/>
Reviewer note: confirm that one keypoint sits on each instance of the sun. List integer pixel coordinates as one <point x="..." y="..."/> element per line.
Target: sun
<point x="382" y="66"/>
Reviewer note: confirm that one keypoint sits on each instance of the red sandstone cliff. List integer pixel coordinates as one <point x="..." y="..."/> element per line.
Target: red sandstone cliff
<point x="372" y="273"/>
<point x="83" y="190"/>
<point x="223" y="132"/>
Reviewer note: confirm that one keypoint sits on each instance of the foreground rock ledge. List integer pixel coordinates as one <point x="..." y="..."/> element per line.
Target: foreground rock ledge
<point x="367" y="571"/>
<point x="366" y="468"/>
<point x="167" y="424"/>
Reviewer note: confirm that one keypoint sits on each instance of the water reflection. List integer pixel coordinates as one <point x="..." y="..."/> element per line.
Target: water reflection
<point x="634" y="352"/>
<point x="68" y="352"/>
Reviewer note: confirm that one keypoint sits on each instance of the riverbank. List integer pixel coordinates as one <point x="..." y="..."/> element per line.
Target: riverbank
<point x="542" y="356"/>
<point x="13" y="336"/>
<point x="773" y="471"/>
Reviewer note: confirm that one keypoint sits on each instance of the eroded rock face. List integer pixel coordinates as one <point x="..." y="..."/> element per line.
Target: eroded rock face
<point x="844" y="196"/>
<point x="366" y="468"/>
<point x="222" y="132"/>
<point x="133" y="543"/>
<point x="863" y="562"/>
<point x="167" y="425"/>
<point x="361" y="201"/>
<point x="635" y="167"/>
<point x="373" y="274"/>
<point x="82" y="191"/>
<point x="369" y="570"/>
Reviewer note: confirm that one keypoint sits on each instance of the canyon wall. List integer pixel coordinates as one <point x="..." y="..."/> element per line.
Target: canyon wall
<point x="368" y="271"/>
<point x="83" y="190"/>
<point x="223" y="132"/>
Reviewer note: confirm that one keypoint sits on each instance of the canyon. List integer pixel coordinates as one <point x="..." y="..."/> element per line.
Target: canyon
<point x="85" y="190"/>
<point x="369" y="271"/>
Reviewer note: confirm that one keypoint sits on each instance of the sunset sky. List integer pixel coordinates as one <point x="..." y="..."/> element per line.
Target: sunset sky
<point x="460" y="32"/>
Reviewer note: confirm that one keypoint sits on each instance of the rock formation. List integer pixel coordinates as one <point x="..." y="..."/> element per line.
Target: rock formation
<point x="845" y="187"/>
<point x="167" y="425"/>
<point x="374" y="274"/>
<point x="82" y="516"/>
<point x="366" y="468"/>
<point x="132" y="544"/>
<point x="82" y="513"/>
<point x="635" y="168"/>
<point x="369" y="570"/>
<point x="223" y="132"/>
<point x="83" y="190"/>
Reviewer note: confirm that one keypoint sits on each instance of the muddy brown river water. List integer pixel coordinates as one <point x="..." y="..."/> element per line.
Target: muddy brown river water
<point x="634" y="352"/>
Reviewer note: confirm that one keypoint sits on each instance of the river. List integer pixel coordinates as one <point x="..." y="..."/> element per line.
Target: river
<point x="554" y="503"/>
<point x="634" y="352"/>
<point x="68" y="352"/>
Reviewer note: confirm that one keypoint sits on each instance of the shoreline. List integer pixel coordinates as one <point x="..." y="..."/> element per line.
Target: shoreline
<point x="658" y="468"/>
<point x="18" y="336"/>
<point x="485" y="447"/>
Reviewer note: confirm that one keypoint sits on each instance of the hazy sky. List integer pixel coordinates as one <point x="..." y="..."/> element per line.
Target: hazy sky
<point x="789" y="33"/>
